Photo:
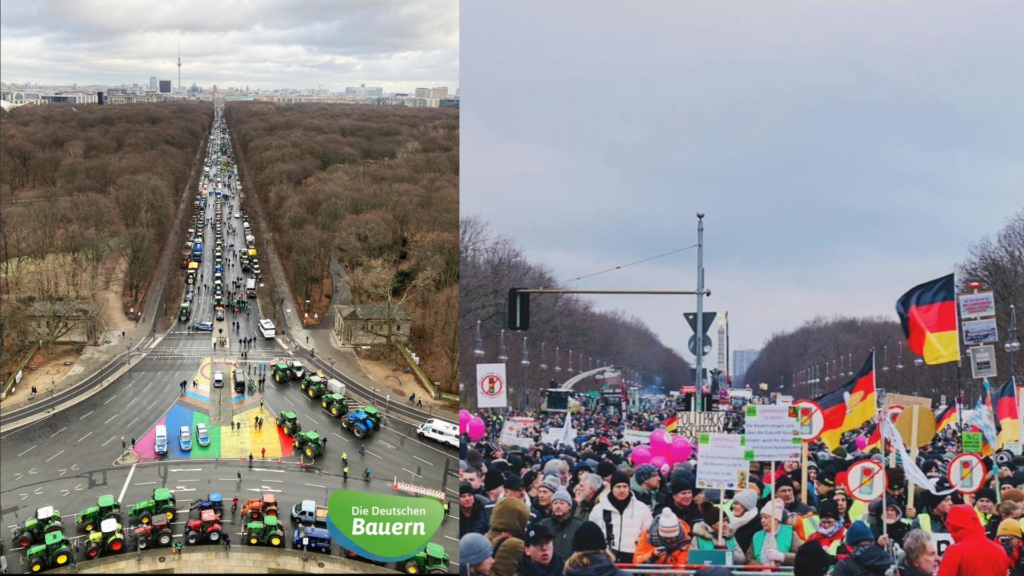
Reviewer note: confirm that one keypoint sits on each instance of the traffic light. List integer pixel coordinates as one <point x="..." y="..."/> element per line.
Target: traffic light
<point x="518" y="309"/>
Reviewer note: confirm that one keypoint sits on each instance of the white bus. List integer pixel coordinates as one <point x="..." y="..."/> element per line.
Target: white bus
<point x="267" y="328"/>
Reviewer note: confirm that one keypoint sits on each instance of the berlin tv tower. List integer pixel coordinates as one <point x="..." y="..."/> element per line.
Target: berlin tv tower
<point x="179" y="66"/>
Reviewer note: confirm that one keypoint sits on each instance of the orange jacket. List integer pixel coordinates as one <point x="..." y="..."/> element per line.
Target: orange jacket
<point x="645" y="553"/>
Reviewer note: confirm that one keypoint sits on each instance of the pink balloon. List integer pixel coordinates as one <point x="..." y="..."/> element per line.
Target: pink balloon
<point x="659" y="440"/>
<point x="860" y="442"/>
<point x="660" y="461"/>
<point x="680" y="449"/>
<point x="641" y="455"/>
<point x="464" y="418"/>
<point x="476" y="428"/>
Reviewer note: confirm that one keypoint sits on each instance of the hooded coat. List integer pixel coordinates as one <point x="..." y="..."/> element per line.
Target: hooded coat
<point x="598" y="566"/>
<point x="508" y="525"/>
<point x="972" y="553"/>
<point x="627" y="526"/>
<point x="479" y="519"/>
<point x="865" y="561"/>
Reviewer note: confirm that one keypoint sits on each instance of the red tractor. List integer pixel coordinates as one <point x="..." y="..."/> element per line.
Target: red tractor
<point x="206" y="529"/>
<point x="156" y="533"/>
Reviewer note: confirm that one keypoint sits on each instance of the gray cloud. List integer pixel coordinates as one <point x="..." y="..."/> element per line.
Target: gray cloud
<point x="842" y="152"/>
<point x="398" y="45"/>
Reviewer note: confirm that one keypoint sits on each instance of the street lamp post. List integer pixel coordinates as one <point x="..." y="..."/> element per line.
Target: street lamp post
<point x="478" y="345"/>
<point x="918" y="362"/>
<point x="1012" y="345"/>
<point x="525" y="362"/>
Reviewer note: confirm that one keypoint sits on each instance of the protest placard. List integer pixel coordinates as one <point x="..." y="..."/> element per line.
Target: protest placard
<point x="720" y="462"/>
<point x="771" y="433"/>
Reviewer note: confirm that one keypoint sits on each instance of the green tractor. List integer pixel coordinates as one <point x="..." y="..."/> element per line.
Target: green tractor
<point x="289" y="422"/>
<point x="163" y="502"/>
<point x="185" y="312"/>
<point x="106" y="507"/>
<point x="309" y="443"/>
<point x="45" y="521"/>
<point x="373" y="415"/>
<point x="54" y="551"/>
<point x="335" y="404"/>
<point x="107" y="539"/>
<point x="296" y="370"/>
<point x="281" y="372"/>
<point x="431" y="560"/>
<point x="314" y="385"/>
<point x="266" y="532"/>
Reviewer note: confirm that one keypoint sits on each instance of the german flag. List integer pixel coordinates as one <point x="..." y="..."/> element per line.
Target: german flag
<point x="849" y="406"/>
<point x="671" y="424"/>
<point x="928" y="315"/>
<point x="1004" y="406"/>
<point x="874" y="440"/>
<point x="949" y="416"/>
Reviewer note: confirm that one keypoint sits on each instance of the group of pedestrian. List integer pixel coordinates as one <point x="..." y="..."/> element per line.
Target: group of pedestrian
<point x="582" y="507"/>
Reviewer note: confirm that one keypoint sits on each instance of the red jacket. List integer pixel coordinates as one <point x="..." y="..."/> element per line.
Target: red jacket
<point x="972" y="553"/>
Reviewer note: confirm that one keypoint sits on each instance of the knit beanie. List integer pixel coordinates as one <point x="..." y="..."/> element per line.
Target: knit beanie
<point x="475" y="459"/>
<point x="778" y="509"/>
<point x="562" y="495"/>
<point x="811" y="560"/>
<point x="619" y="477"/>
<point x="668" y="525"/>
<point x="493" y="479"/>
<point x="986" y="493"/>
<point x="747" y="499"/>
<point x="783" y="481"/>
<point x="1009" y="527"/>
<point x="465" y="488"/>
<point x="644" y="472"/>
<point x="587" y="537"/>
<point x="829" y="509"/>
<point x="681" y="485"/>
<point x="550" y="484"/>
<point x="474" y="549"/>
<point x="858" y="532"/>
<point x="605" y="469"/>
<point x="529" y="478"/>
<point x="709" y="512"/>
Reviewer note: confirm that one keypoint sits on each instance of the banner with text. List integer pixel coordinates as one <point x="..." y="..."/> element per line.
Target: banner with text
<point x="771" y="434"/>
<point x="517" y="432"/>
<point x="721" y="463"/>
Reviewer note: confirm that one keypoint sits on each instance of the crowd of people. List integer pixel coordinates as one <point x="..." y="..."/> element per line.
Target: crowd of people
<point x="585" y="509"/>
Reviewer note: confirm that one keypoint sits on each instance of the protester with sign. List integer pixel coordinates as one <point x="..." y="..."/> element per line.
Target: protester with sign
<point x="667" y="541"/>
<point x="973" y="554"/>
<point x="706" y="533"/>
<point x="745" y="520"/>
<point x="935" y="519"/>
<point x="776" y="544"/>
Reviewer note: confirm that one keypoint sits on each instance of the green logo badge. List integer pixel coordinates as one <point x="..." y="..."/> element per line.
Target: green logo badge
<point x="380" y="527"/>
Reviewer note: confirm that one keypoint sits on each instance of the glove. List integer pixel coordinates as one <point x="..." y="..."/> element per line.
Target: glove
<point x="659" y="551"/>
<point x="776" y="556"/>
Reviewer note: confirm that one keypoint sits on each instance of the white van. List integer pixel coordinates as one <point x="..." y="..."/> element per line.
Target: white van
<point x="443" y="432"/>
<point x="245" y="226"/>
<point x="250" y="288"/>
<point x="161" y="440"/>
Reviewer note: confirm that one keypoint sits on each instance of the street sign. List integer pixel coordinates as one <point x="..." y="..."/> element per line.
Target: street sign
<point x="967" y="473"/>
<point x="983" y="361"/>
<point x="691" y="319"/>
<point x="865" y="480"/>
<point x="692" y="345"/>
<point x="810" y="419"/>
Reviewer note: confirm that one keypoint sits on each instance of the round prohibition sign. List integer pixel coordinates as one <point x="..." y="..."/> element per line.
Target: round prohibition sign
<point x="810" y="419"/>
<point x="866" y="480"/>
<point x="966" y="473"/>
<point x="894" y="412"/>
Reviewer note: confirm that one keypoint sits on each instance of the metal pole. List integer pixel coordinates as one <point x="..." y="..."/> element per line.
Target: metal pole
<point x="699" y="348"/>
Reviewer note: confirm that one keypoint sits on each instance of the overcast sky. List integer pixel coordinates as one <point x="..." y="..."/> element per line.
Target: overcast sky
<point x="842" y="151"/>
<point x="272" y="44"/>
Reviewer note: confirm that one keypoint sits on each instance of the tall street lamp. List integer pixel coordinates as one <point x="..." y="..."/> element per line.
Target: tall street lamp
<point x="1012" y="345"/>
<point x="478" y="345"/>
<point x="525" y="362"/>
<point x="917" y="387"/>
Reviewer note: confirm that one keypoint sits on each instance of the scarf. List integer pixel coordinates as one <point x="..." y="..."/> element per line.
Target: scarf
<point x="830" y="532"/>
<point x="736" y="523"/>
<point x="620" y="505"/>
<point x="670" y="546"/>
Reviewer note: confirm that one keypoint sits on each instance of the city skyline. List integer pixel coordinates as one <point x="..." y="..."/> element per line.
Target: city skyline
<point x="283" y="45"/>
<point x="836" y="170"/>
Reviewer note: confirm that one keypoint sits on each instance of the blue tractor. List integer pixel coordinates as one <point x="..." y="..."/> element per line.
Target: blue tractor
<point x="359" y="423"/>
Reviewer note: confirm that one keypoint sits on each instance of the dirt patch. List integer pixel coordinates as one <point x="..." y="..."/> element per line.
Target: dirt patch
<point x="390" y="374"/>
<point x="113" y="269"/>
<point x="49" y="368"/>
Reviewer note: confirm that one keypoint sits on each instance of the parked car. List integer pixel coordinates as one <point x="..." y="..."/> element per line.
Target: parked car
<point x="185" y="438"/>
<point x="202" y="434"/>
<point x="205" y="326"/>
<point x="218" y="379"/>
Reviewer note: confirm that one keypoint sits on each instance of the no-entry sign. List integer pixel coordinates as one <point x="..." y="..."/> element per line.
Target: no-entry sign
<point x="866" y="480"/>
<point x="809" y="418"/>
<point x="967" y="473"/>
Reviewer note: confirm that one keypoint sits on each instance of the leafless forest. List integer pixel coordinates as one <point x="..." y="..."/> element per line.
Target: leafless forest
<point x="86" y="190"/>
<point x="491" y="265"/>
<point x="998" y="263"/>
<point x="375" y="187"/>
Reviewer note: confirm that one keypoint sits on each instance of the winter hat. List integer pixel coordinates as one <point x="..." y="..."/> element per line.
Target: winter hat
<point x="587" y="537"/>
<point x="493" y="479"/>
<point x="550" y="484"/>
<point x="782" y="482"/>
<point x="619" y="477"/>
<point x="713" y="496"/>
<point x="465" y="488"/>
<point x="747" y="499"/>
<point x="811" y="560"/>
<point x="779" y="510"/>
<point x="1014" y="495"/>
<point x="986" y="493"/>
<point x="644" y="472"/>
<point x="829" y="509"/>
<point x="709" y="512"/>
<point x="929" y="466"/>
<point x="1009" y="527"/>
<point x="529" y="478"/>
<point x="474" y="549"/>
<point x="857" y="533"/>
<point x="582" y="466"/>
<point x="668" y="525"/>
<point x="562" y="495"/>
<point x="475" y="459"/>
<point x="605" y="469"/>
<point x="681" y="485"/>
<point x="513" y="482"/>
<point x="538" y="533"/>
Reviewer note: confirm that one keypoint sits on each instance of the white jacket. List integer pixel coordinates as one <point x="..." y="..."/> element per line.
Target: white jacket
<point x="626" y="527"/>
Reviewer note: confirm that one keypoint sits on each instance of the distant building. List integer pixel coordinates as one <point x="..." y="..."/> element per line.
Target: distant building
<point x="364" y="92"/>
<point x="152" y="82"/>
<point x="165" y="87"/>
<point x="70" y="98"/>
<point x="422" y="92"/>
<point x="741" y="361"/>
<point x="439" y="93"/>
<point x="450" y="103"/>
<point x="363" y="324"/>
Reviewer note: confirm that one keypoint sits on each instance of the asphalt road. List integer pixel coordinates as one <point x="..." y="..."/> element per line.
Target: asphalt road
<point x="68" y="459"/>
